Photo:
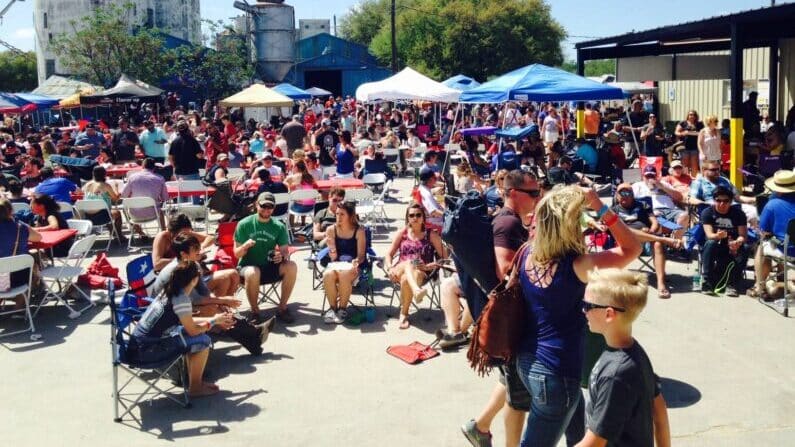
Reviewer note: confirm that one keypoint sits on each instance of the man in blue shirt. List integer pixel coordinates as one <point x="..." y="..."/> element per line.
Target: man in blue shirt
<point x="773" y="222"/>
<point x="153" y="141"/>
<point x="58" y="188"/>
<point x="89" y="142"/>
<point x="702" y="187"/>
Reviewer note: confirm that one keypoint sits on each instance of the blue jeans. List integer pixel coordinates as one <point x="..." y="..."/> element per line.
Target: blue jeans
<point x="554" y="401"/>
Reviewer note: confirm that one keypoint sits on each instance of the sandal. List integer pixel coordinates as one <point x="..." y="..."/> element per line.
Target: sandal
<point x="664" y="294"/>
<point x="758" y="294"/>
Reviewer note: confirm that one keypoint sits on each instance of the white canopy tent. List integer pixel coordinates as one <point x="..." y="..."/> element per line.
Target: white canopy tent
<point x="407" y="85"/>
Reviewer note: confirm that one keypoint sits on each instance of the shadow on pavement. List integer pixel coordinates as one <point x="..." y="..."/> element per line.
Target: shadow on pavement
<point x="679" y="394"/>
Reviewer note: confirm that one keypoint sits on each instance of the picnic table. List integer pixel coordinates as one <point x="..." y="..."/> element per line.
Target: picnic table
<point x="50" y="239"/>
<point x="344" y="183"/>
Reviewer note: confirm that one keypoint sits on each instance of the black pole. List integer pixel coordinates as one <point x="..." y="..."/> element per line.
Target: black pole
<point x="772" y="102"/>
<point x="394" y="41"/>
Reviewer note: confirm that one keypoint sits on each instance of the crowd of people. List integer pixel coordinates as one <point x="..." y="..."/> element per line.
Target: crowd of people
<point x="545" y="210"/>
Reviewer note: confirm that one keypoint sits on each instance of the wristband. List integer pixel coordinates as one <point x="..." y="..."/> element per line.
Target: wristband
<point x="610" y="221"/>
<point x="212" y="323"/>
<point x="602" y="211"/>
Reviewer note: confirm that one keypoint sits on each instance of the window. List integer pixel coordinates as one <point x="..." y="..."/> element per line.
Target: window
<point x="150" y="17"/>
<point x="49" y="67"/>
<point x="45" y="21"/>
<point x="49" y="38"/>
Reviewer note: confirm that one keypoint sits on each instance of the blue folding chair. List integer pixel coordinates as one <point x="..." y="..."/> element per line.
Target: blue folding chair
<point x="149" y="372"/>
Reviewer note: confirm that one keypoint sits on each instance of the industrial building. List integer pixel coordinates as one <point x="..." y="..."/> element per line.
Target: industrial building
<point x="178" y="18"/>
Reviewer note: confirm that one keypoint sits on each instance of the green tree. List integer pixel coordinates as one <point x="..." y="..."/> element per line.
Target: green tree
<point x="364" y="20"/>
<point x="215" y="73"/>
<point x="480" y="38"/>
<point x="17" y="71"/>
<point x="597" y="67"/>
<point x="103" y="45"/>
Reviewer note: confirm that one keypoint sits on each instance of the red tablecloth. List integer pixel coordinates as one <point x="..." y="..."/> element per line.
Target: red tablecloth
<point x="121" y="170"/>
<point x="345" y="183"/>
<point x="50" y="239"/>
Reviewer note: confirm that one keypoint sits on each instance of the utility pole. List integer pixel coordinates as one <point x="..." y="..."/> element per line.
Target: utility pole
<point x="394" y="41"/>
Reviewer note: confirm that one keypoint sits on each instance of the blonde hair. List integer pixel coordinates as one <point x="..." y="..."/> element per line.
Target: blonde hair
<point x="557" y="220"/>
<point x="621" y="288"/>
<point x="711" y="119"/>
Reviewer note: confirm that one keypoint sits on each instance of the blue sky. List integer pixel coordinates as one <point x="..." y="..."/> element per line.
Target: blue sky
<point x="580" y="18"/>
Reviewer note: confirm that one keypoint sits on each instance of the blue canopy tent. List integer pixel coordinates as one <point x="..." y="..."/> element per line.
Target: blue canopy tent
<point x="540" y="83"/>
<point x="516" y="133"/>
<point x="292" y="91"/>
<point x="461" y="83"/>
<point x="42" y="102"/>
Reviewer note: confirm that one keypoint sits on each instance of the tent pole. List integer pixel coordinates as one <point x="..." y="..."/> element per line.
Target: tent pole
<point x="452" y="132"/>
<point x="634" y="138"/>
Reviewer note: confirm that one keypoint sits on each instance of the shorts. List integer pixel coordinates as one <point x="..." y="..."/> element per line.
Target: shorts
<point x="268" y="273"/>
<point x="99" y="218"/>
<point x="516" y="393"/>
<point x="194" y="344"/>
<point x="551" y="137"/>
<point x="671" y="214"/>
<point x="769" y="248"/>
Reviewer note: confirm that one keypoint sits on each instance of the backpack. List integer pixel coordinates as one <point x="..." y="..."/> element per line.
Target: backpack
<point x="467" y="229"/>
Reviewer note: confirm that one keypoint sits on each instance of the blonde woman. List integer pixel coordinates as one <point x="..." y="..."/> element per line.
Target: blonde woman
<point x="709" y="141"/>
<point x="553" y="277"/>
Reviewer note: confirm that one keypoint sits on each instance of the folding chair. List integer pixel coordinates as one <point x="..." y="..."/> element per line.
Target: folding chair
<point x="787" y="262"/>
<point x="392" y="157"/>
<point x="379" y="185"/>
<point x="197" y="191"/>
<point x="363" y="198"/>
<point x="131" y="205"/>
<point x="83" y="227"/>
<point x="10" y="265"/>
<point x="141" y="278"/>
<point x="269" y="291"/>
<point x="19" y="207"/>
<point x="300" y="195"/>
<point x="67" y="210"/>
<point x="122" y="317"/>
<point x="65" y="274"/>
<point x="432" y="279"/>
<point x="363" y="284"/>
<point x="86" y="207"/>
<point x="282" y="198"/>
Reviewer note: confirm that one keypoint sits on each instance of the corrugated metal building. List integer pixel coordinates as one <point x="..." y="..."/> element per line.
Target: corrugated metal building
<point x="334" y="64"/>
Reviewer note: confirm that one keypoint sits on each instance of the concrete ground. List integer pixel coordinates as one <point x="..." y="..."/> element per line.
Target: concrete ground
<point x="726" y="363"/>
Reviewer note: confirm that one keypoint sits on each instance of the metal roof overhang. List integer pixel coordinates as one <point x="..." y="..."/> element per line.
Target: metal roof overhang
<point x="760" y="28"/>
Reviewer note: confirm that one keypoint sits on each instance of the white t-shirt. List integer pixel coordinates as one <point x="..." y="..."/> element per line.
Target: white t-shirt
<point x="659" y="199"/>
<point x="430" y="204"/>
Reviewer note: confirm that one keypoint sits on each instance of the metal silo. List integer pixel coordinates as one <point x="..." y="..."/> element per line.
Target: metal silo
<point x="274" y="41"/>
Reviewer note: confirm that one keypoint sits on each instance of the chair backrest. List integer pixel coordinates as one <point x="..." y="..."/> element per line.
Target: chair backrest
<point x="132" y="203"/>
<point x="282" y="198"/>
<point x="141" y="276"/>
<point x="303" y="194"/>
<point x="67" y="207"/>
<point x="19" y="206"/>
<point x="769" y="164"/>
<point x="374" y="179"/>
<point x="16" y="263"/>
<point x="236" y="173"/>
<point x="89" y="205"/>
<point x="225" y="236"/>
<point x="391" y="155"/>
<point x="81" y="248"/>
<point x="358" y="195"/>
<point x="82" y="226"/>
<point x="190" y="186"/>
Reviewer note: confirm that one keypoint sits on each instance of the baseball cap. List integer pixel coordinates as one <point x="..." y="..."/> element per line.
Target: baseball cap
<point x="266" y="198"/>
<point x="676" y="163"/>
<point x="649" y="169"/>
<point x="267" y="156"/>
<point x="222" y="157"/>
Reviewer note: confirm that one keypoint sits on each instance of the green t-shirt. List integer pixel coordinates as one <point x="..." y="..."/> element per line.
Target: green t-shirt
<point x="266" y="234"/>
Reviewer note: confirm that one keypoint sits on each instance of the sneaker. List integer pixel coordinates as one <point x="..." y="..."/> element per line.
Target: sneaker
<point x="601" y="188"/>
<point x="475" y="436"/>
<point x="708" y="289"/>
<point x="342" y="316"/>
<point x="285" y="316"/>
<point x="732" y="291"/>
<point x="265" y="330"/>
<point x="453" y="340"/>
<point x="330" y="317"/>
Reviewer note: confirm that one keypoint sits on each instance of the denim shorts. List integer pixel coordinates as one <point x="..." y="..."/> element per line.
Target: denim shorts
<point x="554" y="399"/>
<point x="516" y="394"/>
<point x="196" y="343"/>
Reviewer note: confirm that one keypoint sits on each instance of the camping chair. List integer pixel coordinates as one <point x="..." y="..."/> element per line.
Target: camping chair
<point x="364" y="284"/>
<point x="141" y="279"/>
<point x="65" y="274"/>
<point x="10" y="265"/>
<point x="122" y="317"/>
<point x="300" y="195"/>
<point x="131" y="205"/>
<point x="433" y="280"/>
<point x="787" y="263"/>
<point x="195" y="189"/>
<point x="85" y="207"/>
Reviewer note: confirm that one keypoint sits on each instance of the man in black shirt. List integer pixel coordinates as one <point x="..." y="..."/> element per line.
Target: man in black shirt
<point x="294" y="133"/>
<point x="521" y="194"/>
<point x="625" y="406"/>
<point x="725" y="252"/>
<point x="185" y="154"/>
<point x="326" y="139"/>
<point x="123" y="142"/>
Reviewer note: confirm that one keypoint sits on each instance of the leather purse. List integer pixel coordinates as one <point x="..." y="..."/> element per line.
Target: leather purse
<point x="501" y="324"/>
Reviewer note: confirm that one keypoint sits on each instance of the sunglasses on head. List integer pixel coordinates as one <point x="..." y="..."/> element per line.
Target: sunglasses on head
<point x="588" y="306"/>
<point x="529" y="192"/>
<point x="625" y="193"/>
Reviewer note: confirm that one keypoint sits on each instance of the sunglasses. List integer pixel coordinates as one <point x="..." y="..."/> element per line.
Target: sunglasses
<point x="529" y="192"/>
<point x="588" y="306"/>
<point x="625" y="193"/>
<point x="712" y="169"/>
<point x="415" y="215"/>
<point x="267" y="206"/>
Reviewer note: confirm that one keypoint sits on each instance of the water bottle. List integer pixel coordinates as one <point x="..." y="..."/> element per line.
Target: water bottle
<point x="697" y="281"/>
